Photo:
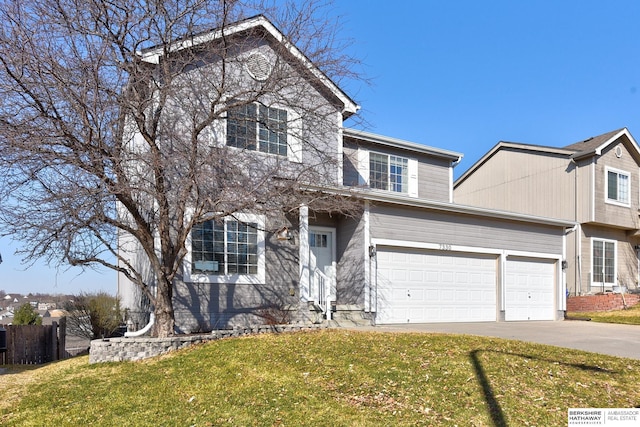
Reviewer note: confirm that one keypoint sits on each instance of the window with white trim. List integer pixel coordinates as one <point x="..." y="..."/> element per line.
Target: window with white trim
<point x="388" y="172"/>
<point x="227" y="250"/>
<point x="604" y="262"/>
<point x="617" y="186"/>
<point x="224" y="247"/>
<point x="258" y="127"/>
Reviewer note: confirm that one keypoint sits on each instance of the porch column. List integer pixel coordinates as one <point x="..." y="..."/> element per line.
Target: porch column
<point x="368" y="270"/>
<point x="303" y="255"/>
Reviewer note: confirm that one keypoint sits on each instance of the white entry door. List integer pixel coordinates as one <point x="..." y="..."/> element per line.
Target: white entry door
<point x="322" y="257"/>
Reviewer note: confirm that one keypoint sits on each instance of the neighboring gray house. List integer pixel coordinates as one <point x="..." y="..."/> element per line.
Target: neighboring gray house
<point x="409" y="255"/>
<point x="594" y="183"/>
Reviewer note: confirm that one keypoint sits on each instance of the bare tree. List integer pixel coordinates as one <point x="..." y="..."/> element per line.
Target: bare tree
<point x="110" y="118"/>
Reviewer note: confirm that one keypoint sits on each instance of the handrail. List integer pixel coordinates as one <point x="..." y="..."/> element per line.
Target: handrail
<point x="321" y="294"/>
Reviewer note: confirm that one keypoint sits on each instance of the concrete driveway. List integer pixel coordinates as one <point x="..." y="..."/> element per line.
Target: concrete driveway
<point x="604" y="338"/>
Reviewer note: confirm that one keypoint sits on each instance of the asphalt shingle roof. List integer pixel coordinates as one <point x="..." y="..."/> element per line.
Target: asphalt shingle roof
<point x="590" y="144"/>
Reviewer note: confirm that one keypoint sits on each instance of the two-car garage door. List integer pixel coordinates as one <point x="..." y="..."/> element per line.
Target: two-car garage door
<point x="422" y="286"/>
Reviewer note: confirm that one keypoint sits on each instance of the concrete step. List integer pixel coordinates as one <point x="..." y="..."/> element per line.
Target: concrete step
<point x="350" y="319"/>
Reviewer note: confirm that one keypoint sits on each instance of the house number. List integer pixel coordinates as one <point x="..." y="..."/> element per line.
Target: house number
<point x="445" y="247"/>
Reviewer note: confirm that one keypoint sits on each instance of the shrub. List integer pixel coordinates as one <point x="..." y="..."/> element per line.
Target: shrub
<point x="26" y="315"/>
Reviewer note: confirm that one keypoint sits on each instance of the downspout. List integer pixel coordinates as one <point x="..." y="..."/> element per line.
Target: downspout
<point x="142" y="331"/>
<point x="565" y="295"/>
<point x="577" y="280"/>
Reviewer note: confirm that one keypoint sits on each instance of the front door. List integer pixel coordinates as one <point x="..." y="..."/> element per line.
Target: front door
<point x="321" y="249"/>
<point x="322" y="256"/>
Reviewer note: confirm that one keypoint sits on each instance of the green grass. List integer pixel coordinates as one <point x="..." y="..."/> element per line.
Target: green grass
<point x="630" y="316"/>
<point x="325" y="378"/>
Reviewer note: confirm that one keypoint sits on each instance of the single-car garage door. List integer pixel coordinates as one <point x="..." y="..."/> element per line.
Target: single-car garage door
<point x="417" y="286"/>
<point x="529" y="289"/>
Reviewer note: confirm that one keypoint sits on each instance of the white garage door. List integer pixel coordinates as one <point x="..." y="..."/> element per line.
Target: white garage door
<point x="529" y="289"/>
<point x="434" y="286"/>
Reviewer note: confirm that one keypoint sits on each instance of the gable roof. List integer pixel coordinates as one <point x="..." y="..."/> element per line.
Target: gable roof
<point x="399" y="143"/>
<point x="153" y="54"/>
<point x="504" y="145"/>
<point x="589" y="147"/>
<point x="593" y="146"/>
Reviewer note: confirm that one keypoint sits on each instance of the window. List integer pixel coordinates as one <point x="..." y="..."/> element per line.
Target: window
<point x="224" y="247"/>
<point x="318" y="240"/>
<point x="388" y="172"/>
<point x="604" y="262"/>
<point x="617" y="186"/>
<point x="257" y="127"/>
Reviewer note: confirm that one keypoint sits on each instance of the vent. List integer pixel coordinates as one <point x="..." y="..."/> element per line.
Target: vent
<point x="618" y="151"/>
<point x="258" y="66"/>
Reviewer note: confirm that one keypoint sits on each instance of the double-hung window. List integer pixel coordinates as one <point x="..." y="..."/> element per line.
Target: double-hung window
<point x="604" y="262"/>
<point x="387" y="172"/>
<point x="618" y="186"/>
<point x="228" y="250"/>
<point x="259" y="128"/>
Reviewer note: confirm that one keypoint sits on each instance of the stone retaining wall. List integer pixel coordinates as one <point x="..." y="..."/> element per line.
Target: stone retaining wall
<point x="131" y="349"/>
<point x="604" y="302"/>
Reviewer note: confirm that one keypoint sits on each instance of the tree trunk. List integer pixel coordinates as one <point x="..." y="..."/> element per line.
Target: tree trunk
<point x="165" y="322"/>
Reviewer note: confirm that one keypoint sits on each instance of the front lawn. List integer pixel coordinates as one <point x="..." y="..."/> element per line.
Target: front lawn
<point x="630" y="316"/>
<point x="326" y="378"/>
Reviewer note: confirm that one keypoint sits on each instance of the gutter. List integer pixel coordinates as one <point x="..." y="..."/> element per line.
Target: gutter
<point x="384" y="197"/>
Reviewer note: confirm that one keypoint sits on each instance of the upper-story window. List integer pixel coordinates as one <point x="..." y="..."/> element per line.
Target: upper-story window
<point x="387" y="172"/>
<point x="258" y="127"/>
<point x="618" y="186"/>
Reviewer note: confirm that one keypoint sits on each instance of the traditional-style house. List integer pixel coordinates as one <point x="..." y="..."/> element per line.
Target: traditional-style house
<point x="409" y="254"/>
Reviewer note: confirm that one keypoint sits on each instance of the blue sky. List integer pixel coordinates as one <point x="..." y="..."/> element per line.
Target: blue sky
<point x="463" y="75"/>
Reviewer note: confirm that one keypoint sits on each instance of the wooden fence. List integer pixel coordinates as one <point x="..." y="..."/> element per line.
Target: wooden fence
<point x="34" y="344"/>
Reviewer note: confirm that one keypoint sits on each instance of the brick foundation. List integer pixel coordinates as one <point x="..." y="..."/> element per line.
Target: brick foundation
<point x="131" y="349"/>
<point x="604" y="302"/>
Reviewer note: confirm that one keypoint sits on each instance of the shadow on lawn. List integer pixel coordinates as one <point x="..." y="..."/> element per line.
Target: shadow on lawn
<point x="495" y="411"/>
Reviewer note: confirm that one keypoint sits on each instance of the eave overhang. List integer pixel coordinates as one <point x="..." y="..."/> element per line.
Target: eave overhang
<point x="597" y="150"/>
<point x="398" y="199"/>
<point x="386" y="141"/>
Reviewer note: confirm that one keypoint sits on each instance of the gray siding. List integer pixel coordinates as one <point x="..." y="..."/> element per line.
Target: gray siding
<point x="433" y="172"/>
<point x="434" y="179"/>
<point x="584" y="195"/>
<point x="419" y="225"/>
<point x="524" y="182"/>
<point x="607" y="213"/>
<point x="627" y="260"/>
<point x="207" y="306"/>
<point x="350" y="175"/>
<point x="350" y="254"/>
